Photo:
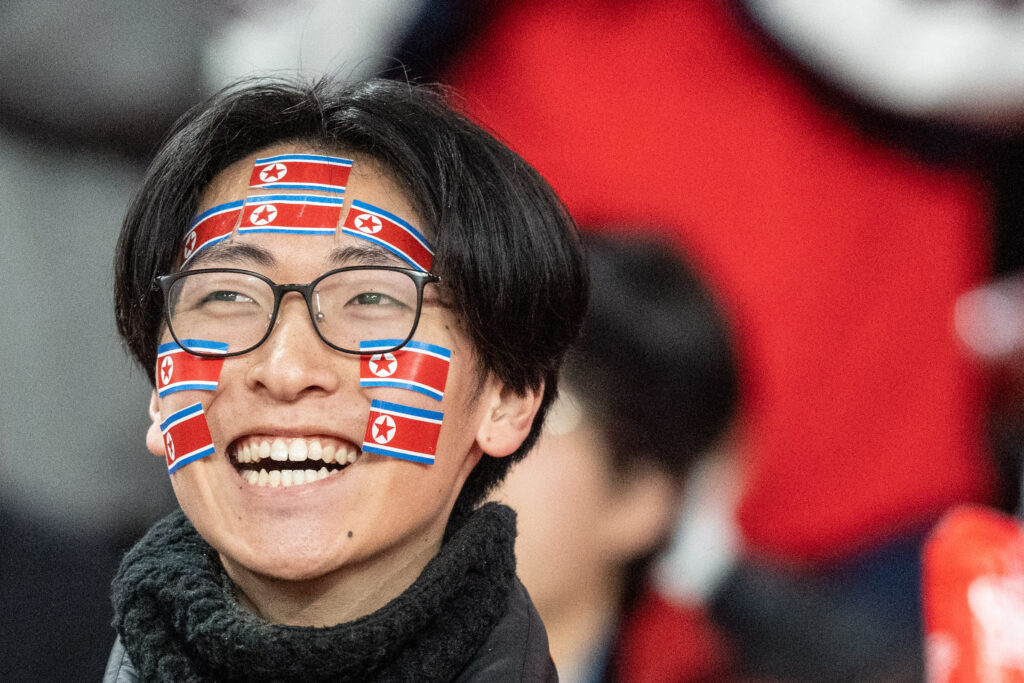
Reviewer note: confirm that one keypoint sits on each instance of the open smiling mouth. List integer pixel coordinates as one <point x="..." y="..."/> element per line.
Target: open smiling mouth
<point x="290" y="462"/>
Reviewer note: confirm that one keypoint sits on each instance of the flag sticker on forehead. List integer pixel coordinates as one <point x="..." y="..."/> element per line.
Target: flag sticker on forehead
<point x="391" y="232"/>
<point x="210" y="227"/>
<point x="179" y="370"/>
<point x="293" y="214"/>
<point x="301" y="172"/>
<point x="402" y="432"/>
<point x="186" y="437"/>
<point x="417" y="366"/>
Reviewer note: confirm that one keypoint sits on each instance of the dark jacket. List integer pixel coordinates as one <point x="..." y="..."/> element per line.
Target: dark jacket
<point x="516" y="651"/>
<point x="466" y="618"/>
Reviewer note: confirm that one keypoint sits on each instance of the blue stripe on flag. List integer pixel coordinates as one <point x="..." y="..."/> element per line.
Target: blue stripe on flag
<point x="397" y="453"/>
<point x="187" y="386"/>
<point x="297" y="186"/>
<point x="408" y="411"/>
<point x="182" y="414"/>
<point x="190" y="457"/>
<point x="294" y="199"/>
<point x="287" y="231"/>
<point x="304" y="157"/>
<point x="385" y="245"/>
<point x="400" y="384"/>
<point x="216" y="209"/>
<point x="356" y="204"/>
<point x="201" y="344"/>
<point x="369" y="346"/>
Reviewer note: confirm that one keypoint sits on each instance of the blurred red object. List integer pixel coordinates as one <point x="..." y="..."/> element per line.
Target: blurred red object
<point x="837" y="255"/>
<point x="661" y="642"/>
<point x="974" y="598"/>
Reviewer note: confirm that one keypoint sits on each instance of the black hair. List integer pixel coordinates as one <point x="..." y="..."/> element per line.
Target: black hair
<point x="654" y="365"/>
<point x="506" y="250"/>
<point x="655" y="360"/>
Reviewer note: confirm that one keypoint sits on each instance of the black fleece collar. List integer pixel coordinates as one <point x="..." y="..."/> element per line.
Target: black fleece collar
<point x="177" y="615"/>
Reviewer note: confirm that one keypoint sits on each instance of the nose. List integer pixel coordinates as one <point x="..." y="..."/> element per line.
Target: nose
<point x="294" y="362"/>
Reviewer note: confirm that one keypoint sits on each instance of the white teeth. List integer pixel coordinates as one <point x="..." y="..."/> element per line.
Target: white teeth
<point x="315" y="451"/>
<point x="297" y="450"/>
<point x="294" y="450"/>
<point x="279" y="450"/>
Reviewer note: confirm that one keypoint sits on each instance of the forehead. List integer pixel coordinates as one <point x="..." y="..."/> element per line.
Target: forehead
<point x="368" y="182"/>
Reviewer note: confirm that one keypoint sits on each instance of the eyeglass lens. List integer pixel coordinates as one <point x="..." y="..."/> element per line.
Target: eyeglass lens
<point x="347" y="307"/>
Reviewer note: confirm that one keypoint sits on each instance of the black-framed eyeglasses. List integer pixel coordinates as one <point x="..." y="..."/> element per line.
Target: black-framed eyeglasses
<point x="347" y="306"/>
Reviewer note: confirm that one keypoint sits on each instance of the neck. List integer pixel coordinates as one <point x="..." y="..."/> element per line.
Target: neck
<point x="578" y="626"/>
<point x="345" y="594"/>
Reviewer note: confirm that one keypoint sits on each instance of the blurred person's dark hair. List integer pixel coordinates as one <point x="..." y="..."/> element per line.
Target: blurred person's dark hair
<point x="655" y="362"/>
<point x="654" y="366"/>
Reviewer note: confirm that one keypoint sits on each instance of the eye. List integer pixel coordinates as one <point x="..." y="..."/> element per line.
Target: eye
<point x="374" y="299"/>
<point x="227" y="296"/>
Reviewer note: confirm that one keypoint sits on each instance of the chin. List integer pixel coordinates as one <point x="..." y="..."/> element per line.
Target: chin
<point x="284" y="561"/>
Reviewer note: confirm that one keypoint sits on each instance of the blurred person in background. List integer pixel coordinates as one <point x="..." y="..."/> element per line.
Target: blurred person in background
<point x="649" y="388"/>
<point x="838" y="234"/>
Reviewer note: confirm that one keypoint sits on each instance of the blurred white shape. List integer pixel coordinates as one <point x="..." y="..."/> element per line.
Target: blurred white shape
<point x="349" y="38"/>
<point x="707" y="541"/>
<point x="955" y="59"/>
<point x="990" y="319"/>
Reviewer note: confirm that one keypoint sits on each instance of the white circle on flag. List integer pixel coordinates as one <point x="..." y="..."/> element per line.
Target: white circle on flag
<point x="190" y="243"/>
<point x="170" y="446"/>
<point x="384" y="429"/>
<point x="263" y="214"/>
<point x="383" y="364"/>
<point x="166" y="370"/>
<point x="368" y="223"/>
<point x="273" y="173"/>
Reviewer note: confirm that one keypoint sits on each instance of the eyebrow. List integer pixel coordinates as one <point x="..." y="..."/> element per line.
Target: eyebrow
<point x="239" y="254"/>
<point x="249" y="254"/>
<point x="361" y="254"/>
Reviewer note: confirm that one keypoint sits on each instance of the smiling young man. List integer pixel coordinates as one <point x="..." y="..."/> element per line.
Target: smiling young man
<point x="353" y="303"/>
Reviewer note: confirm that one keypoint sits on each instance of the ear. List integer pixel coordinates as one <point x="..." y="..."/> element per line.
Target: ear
<point x="643" y="509"/>
<point x="508" y="418"/>
<point x="154" y="438"/>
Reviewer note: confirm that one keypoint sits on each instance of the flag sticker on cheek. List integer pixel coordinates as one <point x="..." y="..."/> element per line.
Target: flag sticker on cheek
<point x="179" y="370"/>
<point x="417" y="366"/>
<point x="186" y="437"/>
<point x="402" y="432"/>
<point x="387" y="230"/>
<point x="301" y="172"/>
<point x="210" y="227"/>
<point x="292" y="214"/>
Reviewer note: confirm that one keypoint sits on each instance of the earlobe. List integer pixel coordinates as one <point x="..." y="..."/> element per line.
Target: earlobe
<point x="154" y="438"/>
<point x="508" y="419"/>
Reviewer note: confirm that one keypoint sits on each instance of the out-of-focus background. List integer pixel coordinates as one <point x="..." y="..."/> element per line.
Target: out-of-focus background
<point x="839" y="175"/>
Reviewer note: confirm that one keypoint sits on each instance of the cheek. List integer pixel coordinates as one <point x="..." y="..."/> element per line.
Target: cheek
<point x="190" y="387"/>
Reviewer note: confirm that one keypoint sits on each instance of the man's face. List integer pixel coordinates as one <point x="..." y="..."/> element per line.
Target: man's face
<point x="378" y="511"/>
